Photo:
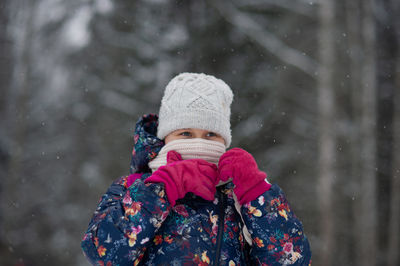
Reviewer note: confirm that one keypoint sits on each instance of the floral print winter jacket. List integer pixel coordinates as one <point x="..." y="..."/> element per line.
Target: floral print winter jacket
<point x="134" y="224"/>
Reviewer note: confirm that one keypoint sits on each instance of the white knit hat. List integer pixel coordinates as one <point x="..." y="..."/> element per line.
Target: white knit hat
<point x="196" y="100"/>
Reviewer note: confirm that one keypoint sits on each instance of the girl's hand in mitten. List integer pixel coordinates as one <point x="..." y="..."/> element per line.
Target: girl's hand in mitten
<point x="249" y="181"/>
<point x="182" y="176"/>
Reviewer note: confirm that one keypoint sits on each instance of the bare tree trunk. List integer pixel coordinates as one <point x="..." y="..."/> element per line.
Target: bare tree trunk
<point x="327" y="137"/>
<point x="387" y="53"/>
<point x="394" y="213"/>
<point x="21" y="32"/>
<point x="367" y="215"/>
<point x="18" y="100"/>
<point x="354" y="45"/>
<point x="5" y="62"/>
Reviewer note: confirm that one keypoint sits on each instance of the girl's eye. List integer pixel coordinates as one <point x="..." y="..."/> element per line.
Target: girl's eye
<point x="185" y="133"/>
<point x="211" y="134"/>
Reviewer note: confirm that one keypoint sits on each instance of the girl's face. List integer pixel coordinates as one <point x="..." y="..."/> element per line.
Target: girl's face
<point x="189" y="133"/>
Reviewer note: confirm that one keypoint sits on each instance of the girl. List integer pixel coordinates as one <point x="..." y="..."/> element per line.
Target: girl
<point x="188" y="201"/>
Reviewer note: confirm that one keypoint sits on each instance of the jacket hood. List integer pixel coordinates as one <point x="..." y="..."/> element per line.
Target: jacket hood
<point x="146" y="144"/>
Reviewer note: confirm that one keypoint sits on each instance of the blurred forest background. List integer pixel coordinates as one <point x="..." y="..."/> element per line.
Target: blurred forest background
<point x="317" y="99"/>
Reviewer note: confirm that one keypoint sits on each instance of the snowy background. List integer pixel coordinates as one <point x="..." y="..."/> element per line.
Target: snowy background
<point x="317" y="92"/>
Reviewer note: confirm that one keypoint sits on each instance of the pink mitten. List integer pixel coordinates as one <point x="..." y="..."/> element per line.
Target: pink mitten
<point x="182" y="176"/>
<point x="249" y="181"/>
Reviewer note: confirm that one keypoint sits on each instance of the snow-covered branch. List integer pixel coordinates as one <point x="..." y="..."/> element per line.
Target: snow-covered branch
<point x="297" y="7"/>
<point x="120" y="102"/>
<point x="266" y="39"/>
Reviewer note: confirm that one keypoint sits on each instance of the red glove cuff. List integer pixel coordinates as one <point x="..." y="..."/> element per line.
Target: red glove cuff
<point x="253" y="193"/>
<point x="170" y="188"/>
<point x="132" y="178"/>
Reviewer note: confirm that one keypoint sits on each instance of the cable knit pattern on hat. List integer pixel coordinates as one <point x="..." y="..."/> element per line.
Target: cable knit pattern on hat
<point x="196" y="100"/>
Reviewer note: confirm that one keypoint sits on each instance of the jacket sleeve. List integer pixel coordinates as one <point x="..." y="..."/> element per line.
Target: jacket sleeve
<point x="277" y="234"/>
<point x="125" y="222"/>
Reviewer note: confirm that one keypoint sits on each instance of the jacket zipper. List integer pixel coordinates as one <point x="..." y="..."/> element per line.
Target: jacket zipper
<point x="221" y="203"/>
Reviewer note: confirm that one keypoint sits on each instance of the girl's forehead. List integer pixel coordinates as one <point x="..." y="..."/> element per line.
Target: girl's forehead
<point x="189" y="129"/>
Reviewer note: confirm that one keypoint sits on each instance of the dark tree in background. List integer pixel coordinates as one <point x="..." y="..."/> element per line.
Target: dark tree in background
<point x="326" y="124"/>
<point x="5" y="61"/>
<point x="316" y="87"/>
